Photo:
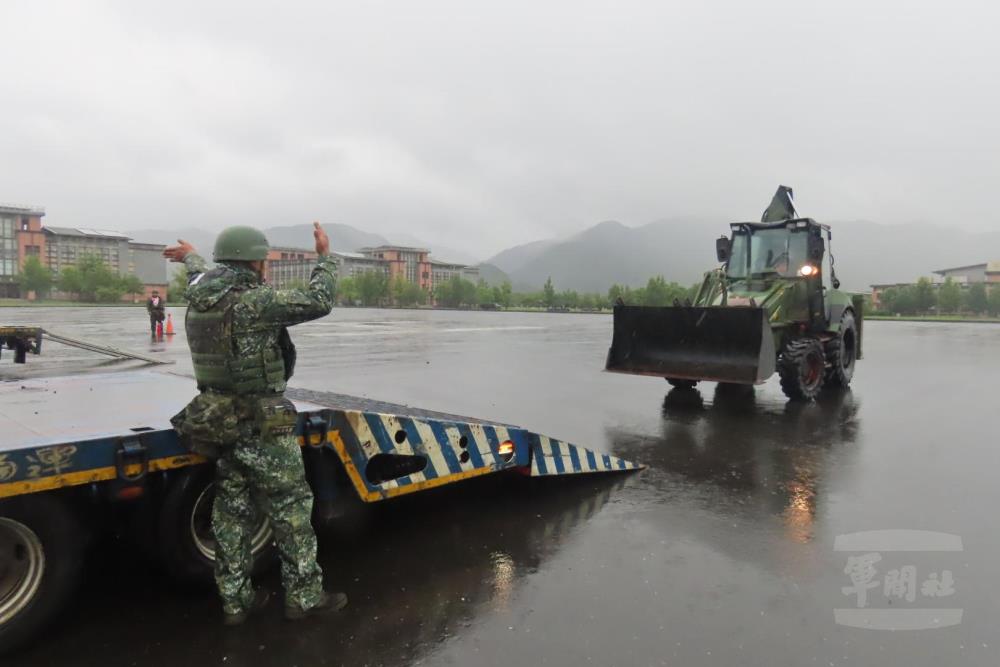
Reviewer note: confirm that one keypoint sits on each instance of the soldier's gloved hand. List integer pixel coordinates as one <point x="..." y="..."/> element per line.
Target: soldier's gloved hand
<point x="177" y="253"/>
<point x="322" y="240"/>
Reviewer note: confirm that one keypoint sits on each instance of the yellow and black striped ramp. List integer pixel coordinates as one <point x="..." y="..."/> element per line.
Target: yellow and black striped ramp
<point x="387" y="455"/>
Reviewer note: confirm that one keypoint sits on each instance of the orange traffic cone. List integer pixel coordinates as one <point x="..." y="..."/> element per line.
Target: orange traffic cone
<point x="170" y="325"/>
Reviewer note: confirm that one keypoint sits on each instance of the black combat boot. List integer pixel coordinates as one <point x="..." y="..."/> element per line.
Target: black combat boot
<point x="330" y="602"/>
<point x="260" y="599"/>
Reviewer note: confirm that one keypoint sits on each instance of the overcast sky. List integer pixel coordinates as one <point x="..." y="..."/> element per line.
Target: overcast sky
<point x="482" y="125"/>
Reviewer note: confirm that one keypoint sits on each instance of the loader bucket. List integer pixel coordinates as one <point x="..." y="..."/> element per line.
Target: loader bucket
<point x="720" y="343"/>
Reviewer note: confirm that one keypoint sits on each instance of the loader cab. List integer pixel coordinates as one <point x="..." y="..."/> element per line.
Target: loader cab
<point x="775" y="251"/>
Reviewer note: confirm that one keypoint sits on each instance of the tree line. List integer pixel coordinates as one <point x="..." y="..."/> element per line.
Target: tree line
<point x="949" y="297"/>
<point x="376" y="289"/>
<point x="90" y="280"/>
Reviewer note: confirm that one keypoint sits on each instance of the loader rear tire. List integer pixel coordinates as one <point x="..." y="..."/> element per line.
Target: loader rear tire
<point x="682" y="384"/>
<point x="801" y="367"/>
<point x="841" y="353"/>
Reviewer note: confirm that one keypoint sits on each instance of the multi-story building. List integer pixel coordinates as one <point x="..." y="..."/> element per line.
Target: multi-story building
<point x="412" y="264"/>
<point x="64" y="246"/>
<point x="987" y="272"/>
<point x="442" y="272"/>
<point x="20" y="236"/>
<point x="353" y="264"/>
<point x="288" y="266"/>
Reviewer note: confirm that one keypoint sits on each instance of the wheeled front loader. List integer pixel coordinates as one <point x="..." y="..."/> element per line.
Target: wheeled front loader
<point x="771" y="305"/>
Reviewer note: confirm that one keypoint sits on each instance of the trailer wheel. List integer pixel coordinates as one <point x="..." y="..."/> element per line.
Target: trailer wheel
<point x="682" y="384"/>
<point x="841" y="353"/>
<point x="41" y="552"/>
<point x="802" y="368"/>
<point x="187" y="545"/>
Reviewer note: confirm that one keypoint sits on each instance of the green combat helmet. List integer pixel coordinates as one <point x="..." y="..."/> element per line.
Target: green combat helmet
<point x="241" y="243"/>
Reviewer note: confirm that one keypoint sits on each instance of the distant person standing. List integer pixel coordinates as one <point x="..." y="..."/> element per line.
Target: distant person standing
<point x="237" y="329"/>
<point x="156" y="309"/>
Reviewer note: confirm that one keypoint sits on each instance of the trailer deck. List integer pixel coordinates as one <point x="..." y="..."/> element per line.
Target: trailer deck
<point x="69" y="431"/>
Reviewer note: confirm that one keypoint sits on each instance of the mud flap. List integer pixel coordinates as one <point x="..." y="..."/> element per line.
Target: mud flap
<point x="554" y="457"/>
<point x="720" y="343"/>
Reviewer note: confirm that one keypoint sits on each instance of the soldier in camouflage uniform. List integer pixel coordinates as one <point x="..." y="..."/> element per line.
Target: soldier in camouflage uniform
<point x="237" y="331"/>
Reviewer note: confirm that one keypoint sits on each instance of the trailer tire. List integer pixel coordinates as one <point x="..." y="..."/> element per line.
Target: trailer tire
<point x="801" y="368"/>
<point x="41" y="554"/>
<point x="186" y="543"/>
<point x="841" y="352"/>
<point x="682" y="384"/>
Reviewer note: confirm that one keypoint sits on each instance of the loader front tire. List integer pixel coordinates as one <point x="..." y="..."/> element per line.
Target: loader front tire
<point x="801" y="368"/>
<point x="841" y="353"/>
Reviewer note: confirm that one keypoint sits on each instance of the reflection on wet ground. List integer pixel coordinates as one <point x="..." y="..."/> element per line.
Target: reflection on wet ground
<point x="721" y="552"/>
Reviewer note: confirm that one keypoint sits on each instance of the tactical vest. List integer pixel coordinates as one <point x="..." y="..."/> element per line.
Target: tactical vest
<point x="217" y="364"/>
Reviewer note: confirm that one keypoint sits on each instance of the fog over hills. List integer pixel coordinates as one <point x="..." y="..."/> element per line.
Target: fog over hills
<point x="679" y="249"/>
<point x="683" y="249"/>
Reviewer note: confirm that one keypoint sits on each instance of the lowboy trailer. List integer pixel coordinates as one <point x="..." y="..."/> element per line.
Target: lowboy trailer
<point x="73" y="448"/>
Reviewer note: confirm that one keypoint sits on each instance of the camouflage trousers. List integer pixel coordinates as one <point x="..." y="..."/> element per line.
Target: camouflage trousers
<point x="265" y="473"/>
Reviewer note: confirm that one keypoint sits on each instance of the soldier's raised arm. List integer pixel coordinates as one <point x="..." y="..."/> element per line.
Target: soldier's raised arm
<point x="184" y="253"/>
<point x="292" y="306"/>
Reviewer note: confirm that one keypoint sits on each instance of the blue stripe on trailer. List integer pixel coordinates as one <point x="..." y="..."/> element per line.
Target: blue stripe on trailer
<point x="591" y="460"/>
<point x="446" y="448"/>
<point x="471" y="445"/>
<point x="352" y="445"/>
<point x="557" y="456"/>
<point x="574" y="457"/>
<point x="385" y="442"/>
<point x="417" y="443"/>
<point x="491" y="437"/>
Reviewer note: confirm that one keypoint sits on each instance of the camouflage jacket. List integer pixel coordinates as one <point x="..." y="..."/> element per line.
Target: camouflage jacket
<point x="260" y="313"/>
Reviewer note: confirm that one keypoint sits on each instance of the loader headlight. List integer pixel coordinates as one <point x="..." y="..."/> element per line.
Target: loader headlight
<point x="506" y="450"/>
<point x="808" y="270"/>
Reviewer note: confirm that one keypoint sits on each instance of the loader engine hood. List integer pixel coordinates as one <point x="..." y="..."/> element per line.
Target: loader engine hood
<point x="771" y="297"/>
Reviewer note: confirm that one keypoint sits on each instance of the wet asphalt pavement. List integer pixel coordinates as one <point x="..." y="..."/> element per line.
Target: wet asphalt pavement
<point x="722" y="552"/>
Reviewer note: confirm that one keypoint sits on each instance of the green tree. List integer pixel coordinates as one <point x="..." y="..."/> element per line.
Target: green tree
<point x="131" y="285"/>
<point x="178" y="285"/>
<point x="95" y="275"/>
<point x="503" y="294"/>
<point x="347" y="291"/>
<point x="975" y="298"/>
<point x="550" y="293"/>
<point x="993" y="300"/>
<point x="923" y="295"/>
<point x="457" y="292"/>
<point x="70" y="281"/>
<point x="109" y="293"/>
<point x="900" y="300"/>
<point x="396" y="287"/>
<point x="411" y="294"/>
<point x="568" y="299"/>
<point x="484" y="293"/>
<point x="34" y="277"/>
<point x="949" y="296"/>
<point x="658" y="293"/>
<point x="373" y="288"/>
